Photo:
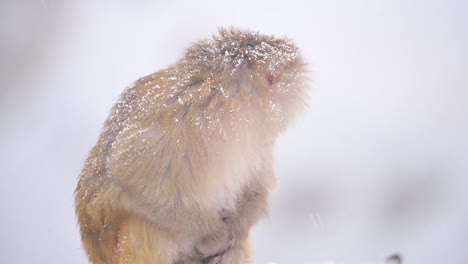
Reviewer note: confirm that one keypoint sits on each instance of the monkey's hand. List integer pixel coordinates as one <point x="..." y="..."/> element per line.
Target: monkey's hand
<point x="214" y="244"/>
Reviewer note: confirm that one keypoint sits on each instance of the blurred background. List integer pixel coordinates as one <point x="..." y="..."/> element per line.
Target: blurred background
<point x="378" y="165"/>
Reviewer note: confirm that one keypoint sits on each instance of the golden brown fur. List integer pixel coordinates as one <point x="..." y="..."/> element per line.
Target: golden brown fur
<point x="184" y="164"/>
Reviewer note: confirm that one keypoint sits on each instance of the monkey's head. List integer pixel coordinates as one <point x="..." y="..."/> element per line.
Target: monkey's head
<point x="260" y="74"/>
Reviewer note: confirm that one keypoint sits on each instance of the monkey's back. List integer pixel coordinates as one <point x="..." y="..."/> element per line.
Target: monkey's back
<point x="168" y="142"/>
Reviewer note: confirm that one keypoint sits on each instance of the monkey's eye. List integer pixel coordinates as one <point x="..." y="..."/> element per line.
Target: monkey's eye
<point x="272" y="78"/>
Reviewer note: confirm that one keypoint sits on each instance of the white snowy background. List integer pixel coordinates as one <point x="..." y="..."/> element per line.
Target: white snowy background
<point x="378" y="165"/>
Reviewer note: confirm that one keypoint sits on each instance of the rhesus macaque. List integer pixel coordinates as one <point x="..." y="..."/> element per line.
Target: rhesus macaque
<point x="184" y="164"/>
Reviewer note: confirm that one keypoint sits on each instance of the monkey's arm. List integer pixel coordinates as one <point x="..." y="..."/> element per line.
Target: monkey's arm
<point x="252" y="205"/>
<point x="254" y="202"/>
<point x="231" y="243"/>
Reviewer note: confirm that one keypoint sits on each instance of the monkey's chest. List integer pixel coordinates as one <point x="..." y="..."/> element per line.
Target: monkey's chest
<point x="229" y="179"/>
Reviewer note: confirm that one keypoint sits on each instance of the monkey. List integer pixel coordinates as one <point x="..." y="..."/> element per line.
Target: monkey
<point x="184" y="165"/>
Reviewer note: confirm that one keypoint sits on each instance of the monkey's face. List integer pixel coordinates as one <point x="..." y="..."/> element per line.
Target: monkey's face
<point x="278" y="76"/>
<point x="268" y="71"/>
<point x="281" y="91"/>
<point x="259" y="74"/>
